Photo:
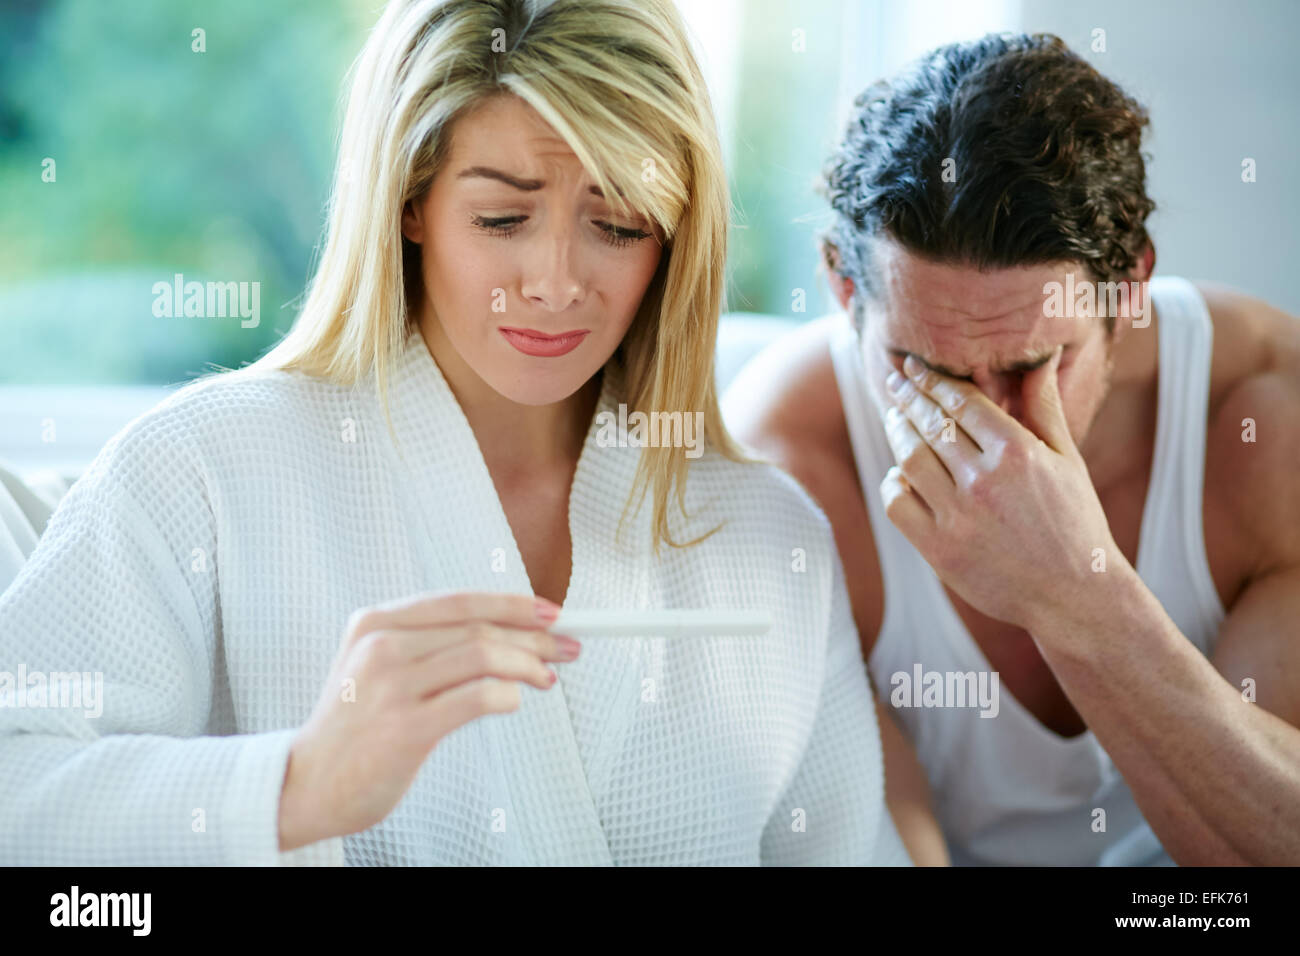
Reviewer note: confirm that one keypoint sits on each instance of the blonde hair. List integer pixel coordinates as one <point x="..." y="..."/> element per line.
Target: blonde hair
<point x="617" y="80"/>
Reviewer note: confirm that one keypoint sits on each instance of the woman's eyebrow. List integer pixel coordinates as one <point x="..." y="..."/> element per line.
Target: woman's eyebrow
<point x="525" y="185"/>
<point x="487" y="172"/>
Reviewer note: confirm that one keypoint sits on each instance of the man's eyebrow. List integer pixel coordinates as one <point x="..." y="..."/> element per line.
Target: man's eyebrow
<point x="1024" y="365"/>
<point x="932" y="366"/>
<point x="1028" y="365"/>
<point x="524" y="185"/>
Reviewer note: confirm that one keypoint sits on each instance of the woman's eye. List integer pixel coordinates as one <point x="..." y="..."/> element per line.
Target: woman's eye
<point x="620" y="235"/>
<point x="508" y="225"/>
<point x="499" y="226"/>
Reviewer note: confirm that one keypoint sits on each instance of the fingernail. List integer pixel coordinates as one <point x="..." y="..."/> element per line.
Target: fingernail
<point x="894" y="381"/>
<point x="545" y="610"/>
<point x="552" y="678"/>
<point x="568" y="648"/>
<point x="911" y="366"/>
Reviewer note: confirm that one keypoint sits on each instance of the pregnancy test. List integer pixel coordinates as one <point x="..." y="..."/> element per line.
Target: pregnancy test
<point x="662" y="623"/>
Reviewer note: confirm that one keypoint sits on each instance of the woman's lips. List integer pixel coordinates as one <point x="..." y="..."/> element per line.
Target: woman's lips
<point x="532" y="342"/>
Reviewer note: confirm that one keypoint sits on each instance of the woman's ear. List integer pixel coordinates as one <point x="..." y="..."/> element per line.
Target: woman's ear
<point x="413" y="223"/>
<point x="841" y="285"/>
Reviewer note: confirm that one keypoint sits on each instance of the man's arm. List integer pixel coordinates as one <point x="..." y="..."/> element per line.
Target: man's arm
<point x="1211" y="750"/>
<point x="1222" y="783"/>
<point x="907" y="795"/>
<point x="1217" y="777"/>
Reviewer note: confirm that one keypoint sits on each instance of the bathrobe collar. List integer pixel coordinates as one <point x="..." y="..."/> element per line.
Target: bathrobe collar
<point x="555" y="766"/>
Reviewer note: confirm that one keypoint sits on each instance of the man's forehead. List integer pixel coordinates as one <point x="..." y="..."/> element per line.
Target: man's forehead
<point x="958" y="292"/>
<point x="959" y="349"/>
<point x="954" y="317"/>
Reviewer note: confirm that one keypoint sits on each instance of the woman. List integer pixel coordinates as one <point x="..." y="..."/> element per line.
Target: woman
<point x="527" y="229"/>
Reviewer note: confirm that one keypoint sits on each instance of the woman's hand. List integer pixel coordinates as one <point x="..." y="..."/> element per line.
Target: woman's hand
<point x="407" y="674"/>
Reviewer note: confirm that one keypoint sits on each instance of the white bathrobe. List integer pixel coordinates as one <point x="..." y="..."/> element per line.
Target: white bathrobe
<point x="204" y="569"/>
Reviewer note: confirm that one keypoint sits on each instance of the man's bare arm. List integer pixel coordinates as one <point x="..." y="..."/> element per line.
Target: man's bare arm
<point x="907" y="794"/>
<point x="1218" y="778"/>
<point x="1244" y="744"/>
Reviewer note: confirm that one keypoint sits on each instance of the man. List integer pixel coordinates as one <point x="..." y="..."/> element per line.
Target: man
<point x="1089" y="503"/>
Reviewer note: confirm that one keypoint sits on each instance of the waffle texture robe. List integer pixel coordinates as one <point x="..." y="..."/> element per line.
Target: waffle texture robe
<point x="203" y="570"/>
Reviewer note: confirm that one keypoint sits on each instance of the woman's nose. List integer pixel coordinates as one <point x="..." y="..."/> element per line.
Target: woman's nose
<point x="552" y="281"/>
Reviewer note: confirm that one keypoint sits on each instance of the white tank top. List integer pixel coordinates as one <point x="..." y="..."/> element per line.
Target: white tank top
<point x="1007" y="790"/>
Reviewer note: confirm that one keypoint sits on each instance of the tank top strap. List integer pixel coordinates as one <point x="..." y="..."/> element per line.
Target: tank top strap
<point x="1171" y="556"/>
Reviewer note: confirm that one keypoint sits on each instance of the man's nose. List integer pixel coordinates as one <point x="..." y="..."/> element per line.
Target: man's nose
<point x="552" y="281"/>
<point x="1003" y="389"/>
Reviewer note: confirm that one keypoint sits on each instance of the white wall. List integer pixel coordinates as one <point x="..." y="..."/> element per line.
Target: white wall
<point x="1221" y="81"/>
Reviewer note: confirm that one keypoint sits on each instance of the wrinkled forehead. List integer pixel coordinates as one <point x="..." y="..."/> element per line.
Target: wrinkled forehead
<point x="503" y="131"/>
<point x="958" y="318"/>
<point x="504" y="134"/>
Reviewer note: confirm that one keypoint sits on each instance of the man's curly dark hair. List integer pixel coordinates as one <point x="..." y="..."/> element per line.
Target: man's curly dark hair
<point x="1045" y="153"/>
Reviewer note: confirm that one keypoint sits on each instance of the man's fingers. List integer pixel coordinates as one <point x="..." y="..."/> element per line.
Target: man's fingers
<point x="982" y="421"/>
<point x="917" y="460"/>
<point x="902" y="506"/>
<point x="942" y="432"/>
<point x="1044" y="411"/>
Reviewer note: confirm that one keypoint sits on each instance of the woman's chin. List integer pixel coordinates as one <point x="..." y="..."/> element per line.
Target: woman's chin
<point x="537" y="389"/>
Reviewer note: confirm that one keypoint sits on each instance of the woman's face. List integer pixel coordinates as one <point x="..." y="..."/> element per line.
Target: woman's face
<point x="530" y="278"/>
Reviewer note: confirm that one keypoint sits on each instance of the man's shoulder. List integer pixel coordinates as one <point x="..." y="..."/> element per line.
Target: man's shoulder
<point x="786" y="399"/>
<point x="1251" y="337"/>
<point x="786" y="406"/>
<point x="1253" y="431"/>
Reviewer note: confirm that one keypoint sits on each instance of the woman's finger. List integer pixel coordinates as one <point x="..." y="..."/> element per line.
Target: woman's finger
<point x="445" y="712"/>
<point x="471" y="660"/>
<point x="408" y="645"/>
<point x="435" y="609"/>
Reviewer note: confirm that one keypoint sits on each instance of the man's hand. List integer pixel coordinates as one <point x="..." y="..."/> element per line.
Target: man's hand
<point x="1006" y="516"/>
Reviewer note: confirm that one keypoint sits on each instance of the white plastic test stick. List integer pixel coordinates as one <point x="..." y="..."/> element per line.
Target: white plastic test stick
<point x="662" y="623"/>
